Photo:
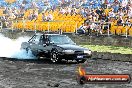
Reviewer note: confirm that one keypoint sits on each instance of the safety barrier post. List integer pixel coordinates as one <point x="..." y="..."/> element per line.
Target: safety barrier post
<point x="35" y="27"/>
<point x="12" y="25"/>
<point x="60" y="31"/>
<point x="76" y="29"/>
<point x="108" y="30"/>
<point x="48" y="27"/>
<point x="23" y="25"/>
<point x="1" y="26"/>
<point x="16" y="24"/>
<point x="126" y="32"/>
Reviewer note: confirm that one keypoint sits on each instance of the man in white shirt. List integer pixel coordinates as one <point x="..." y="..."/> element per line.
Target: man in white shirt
<point x="49" y="17"/>
<point x="111" y="14"/>
<point x="130" y="12"/>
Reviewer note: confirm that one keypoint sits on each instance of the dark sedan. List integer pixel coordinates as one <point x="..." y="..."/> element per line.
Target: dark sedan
<point x="56" y="47"/>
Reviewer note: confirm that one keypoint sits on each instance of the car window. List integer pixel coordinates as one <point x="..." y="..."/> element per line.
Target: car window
<point x="35" y="39"/>
<point x="42" y="40"/>
<point x="60" y="39"/>
<point x="32" y="39"/>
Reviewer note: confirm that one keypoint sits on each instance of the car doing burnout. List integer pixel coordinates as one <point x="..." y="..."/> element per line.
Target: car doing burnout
<point x="55" y="47"/>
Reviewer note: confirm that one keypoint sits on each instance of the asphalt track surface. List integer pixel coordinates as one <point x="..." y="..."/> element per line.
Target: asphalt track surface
<point x="44" y="74"/>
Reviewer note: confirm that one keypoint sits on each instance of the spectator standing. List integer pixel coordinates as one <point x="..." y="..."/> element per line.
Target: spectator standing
<point x="34" y="15"/>
<point x="82" y="29"/>
<point x="43" y="17"/>
<point x="115" y="6"/>
<point x="88" y="29"/>
<point x="21" y="13"/>
<point x="34" y="5"/>
<point x="99" y="11"/>
<point x="62" y="11"/>
<point x="119" y="21"/>
<point x="111" y="14"/>
<point x="130" y="12"/>
<point x="124" y="4"/>
<point x="105" y="18"/>
<point x="49" y="17"/>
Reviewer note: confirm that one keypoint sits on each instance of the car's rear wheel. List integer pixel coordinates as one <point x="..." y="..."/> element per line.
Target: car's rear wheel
<point x="54" y="57"/>
<point x="29" y="51"/>
<point x="81" y="61"/>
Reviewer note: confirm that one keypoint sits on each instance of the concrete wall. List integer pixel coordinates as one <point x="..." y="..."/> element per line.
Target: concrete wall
<point x="104" y="40"/>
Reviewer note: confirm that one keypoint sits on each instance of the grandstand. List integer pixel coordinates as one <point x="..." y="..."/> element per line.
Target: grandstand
<point x="95" y="3"/>
<point x="66" y="22"/>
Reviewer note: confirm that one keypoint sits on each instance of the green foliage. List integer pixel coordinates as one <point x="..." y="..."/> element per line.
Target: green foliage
<point x="112" y="49"/>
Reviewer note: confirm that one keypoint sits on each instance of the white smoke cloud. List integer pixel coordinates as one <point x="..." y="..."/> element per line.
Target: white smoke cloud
<point x="11" y="48"/>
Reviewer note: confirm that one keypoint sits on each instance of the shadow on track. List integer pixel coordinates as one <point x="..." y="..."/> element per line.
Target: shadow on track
<point x="38" y="61"/>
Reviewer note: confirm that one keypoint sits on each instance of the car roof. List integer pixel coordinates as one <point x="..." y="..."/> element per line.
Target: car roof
<point x="45" y="34"/>
<point x="51" y="34"/>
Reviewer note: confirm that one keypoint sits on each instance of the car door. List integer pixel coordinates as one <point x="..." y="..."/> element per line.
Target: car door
<point x="42" y="45"/>
<point x="44" y="42"/>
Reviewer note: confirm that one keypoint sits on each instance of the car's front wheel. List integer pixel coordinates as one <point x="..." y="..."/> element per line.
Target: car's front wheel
<point x="54" y="57"/>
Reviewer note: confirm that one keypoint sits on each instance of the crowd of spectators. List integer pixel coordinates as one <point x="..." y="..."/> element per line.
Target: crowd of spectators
<point x="94" y="11"/>
<point x="95" y="18"/>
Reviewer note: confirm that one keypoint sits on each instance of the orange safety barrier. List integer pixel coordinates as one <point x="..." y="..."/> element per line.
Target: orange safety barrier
<point x="118" y="30"/>
<point x="113" y="29"/>
<point x="130" y="31"/>
<point x="125" y="30"/>
<point x="68" y="23"/>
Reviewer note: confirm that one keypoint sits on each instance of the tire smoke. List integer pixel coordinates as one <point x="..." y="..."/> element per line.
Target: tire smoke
<point x="11" y="48"/>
